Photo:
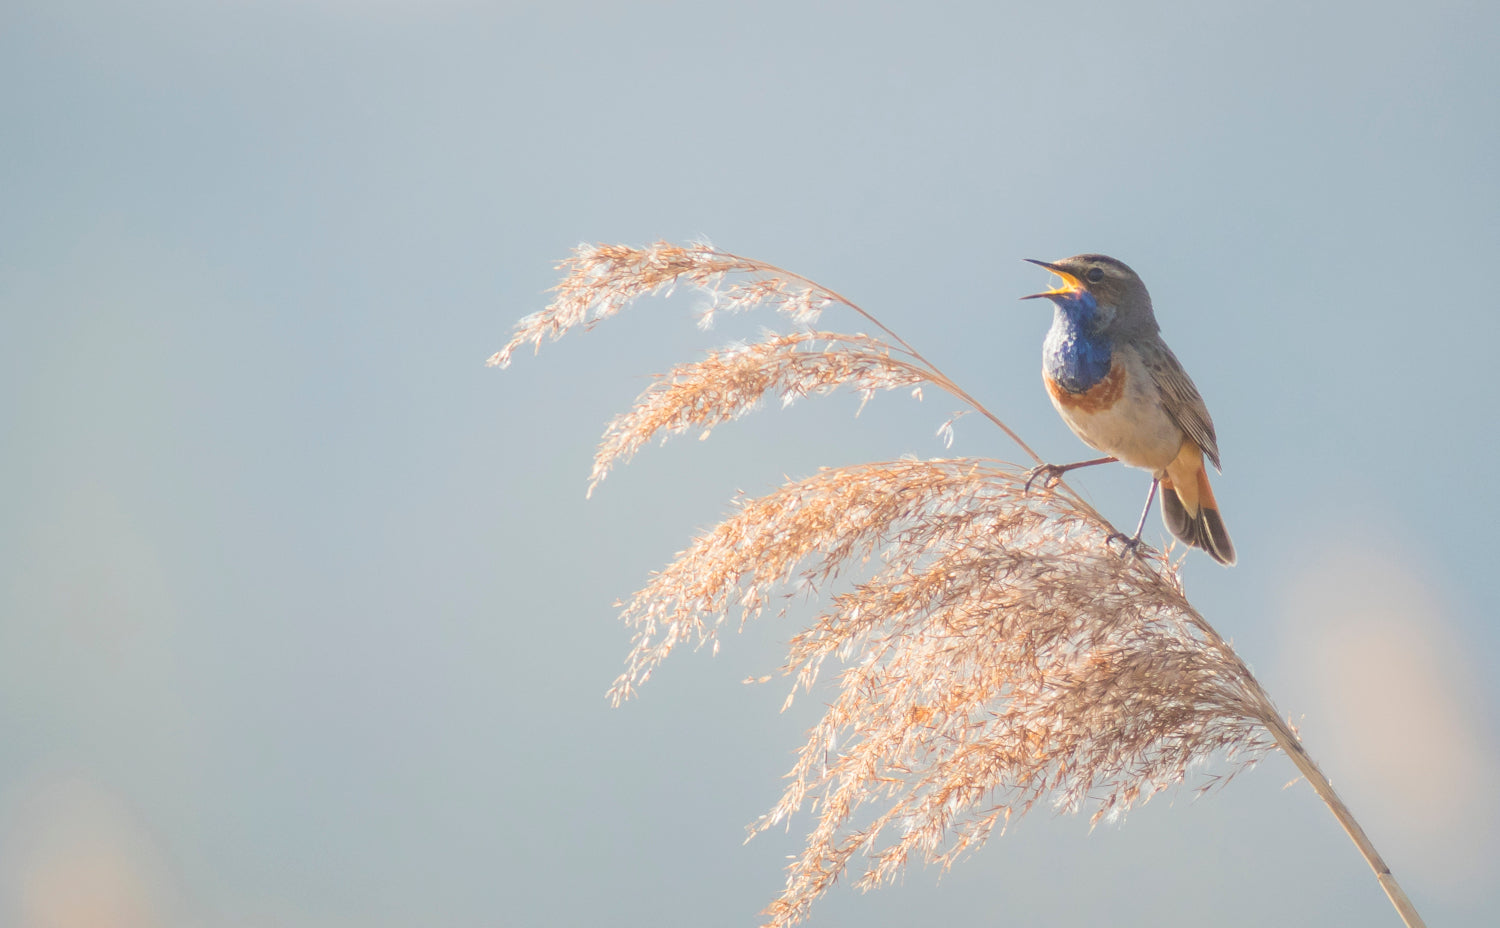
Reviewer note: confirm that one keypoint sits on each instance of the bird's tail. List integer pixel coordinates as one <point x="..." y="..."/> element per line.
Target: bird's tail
<point x="1188" y="506"/>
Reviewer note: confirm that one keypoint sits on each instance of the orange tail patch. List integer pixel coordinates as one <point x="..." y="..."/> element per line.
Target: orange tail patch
<point x="1188" y="506"/>
<point x="1205" y="490"/>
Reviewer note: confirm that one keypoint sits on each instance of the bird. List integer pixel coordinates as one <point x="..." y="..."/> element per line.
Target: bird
<point x="1120" y="389"/>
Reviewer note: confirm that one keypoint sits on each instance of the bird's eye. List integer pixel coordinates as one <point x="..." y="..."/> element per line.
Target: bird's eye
<point x="1095" y="275"/>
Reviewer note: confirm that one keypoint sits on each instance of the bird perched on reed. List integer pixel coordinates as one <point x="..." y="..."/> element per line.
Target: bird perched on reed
<point x="1119" y="388"/>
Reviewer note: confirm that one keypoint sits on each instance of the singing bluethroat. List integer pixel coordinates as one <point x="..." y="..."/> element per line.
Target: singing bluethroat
<point x="1119" y="388"/>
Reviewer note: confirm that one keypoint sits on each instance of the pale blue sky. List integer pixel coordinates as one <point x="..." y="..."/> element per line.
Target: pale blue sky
<point x="304" y="619"/>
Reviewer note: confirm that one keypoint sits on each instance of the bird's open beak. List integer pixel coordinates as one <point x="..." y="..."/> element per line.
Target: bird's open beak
<point x="1071" y="284"/>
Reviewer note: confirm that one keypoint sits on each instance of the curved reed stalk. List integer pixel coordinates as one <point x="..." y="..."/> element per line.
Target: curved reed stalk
<point x="997" y="653"/>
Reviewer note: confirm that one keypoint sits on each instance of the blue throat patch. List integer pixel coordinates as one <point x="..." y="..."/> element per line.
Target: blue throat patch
<point x="1074" y="355"/>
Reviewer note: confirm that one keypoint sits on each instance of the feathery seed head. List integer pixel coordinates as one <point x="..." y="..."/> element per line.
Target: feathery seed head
<point x="996" y="652"/>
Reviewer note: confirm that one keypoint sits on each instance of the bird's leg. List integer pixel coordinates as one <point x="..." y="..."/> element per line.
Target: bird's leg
<point x="1133" y="543"/>
<point x="1051" y="473"/>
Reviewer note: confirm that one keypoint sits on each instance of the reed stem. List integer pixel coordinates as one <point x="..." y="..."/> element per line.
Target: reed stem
<point x="1292" y="747"/>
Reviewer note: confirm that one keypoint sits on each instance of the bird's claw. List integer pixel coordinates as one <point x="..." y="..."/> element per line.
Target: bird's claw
<point x="1130" y="545"/>
<point x="1050" y="474"/>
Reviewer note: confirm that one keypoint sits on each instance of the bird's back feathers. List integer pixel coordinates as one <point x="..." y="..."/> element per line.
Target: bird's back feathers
<point x="1179" y="397"/>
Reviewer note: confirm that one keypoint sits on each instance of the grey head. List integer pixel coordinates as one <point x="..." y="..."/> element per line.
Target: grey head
<point x="1124" y="305"/>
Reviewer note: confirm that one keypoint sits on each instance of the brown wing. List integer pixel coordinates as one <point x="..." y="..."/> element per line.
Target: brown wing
<point x="1180" y="397"/>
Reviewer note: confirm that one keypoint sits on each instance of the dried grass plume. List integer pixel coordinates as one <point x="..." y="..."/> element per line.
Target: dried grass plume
<point x="994" y="651"/>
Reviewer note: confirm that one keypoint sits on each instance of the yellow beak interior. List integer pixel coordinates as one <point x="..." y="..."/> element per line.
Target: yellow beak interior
<point x="1070" y="284"/>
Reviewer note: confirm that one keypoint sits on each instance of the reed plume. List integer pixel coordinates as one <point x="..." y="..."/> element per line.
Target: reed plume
<point x="995" y="652"/>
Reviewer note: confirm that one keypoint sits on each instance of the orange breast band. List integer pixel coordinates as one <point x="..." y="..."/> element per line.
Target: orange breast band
<point x="1099" y="397"/>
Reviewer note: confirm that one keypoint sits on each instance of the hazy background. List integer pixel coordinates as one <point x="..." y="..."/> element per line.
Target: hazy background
<point x="304" y="619"/>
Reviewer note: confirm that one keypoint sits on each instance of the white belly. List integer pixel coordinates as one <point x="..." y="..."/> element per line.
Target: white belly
<point x="1136" y="428"/>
